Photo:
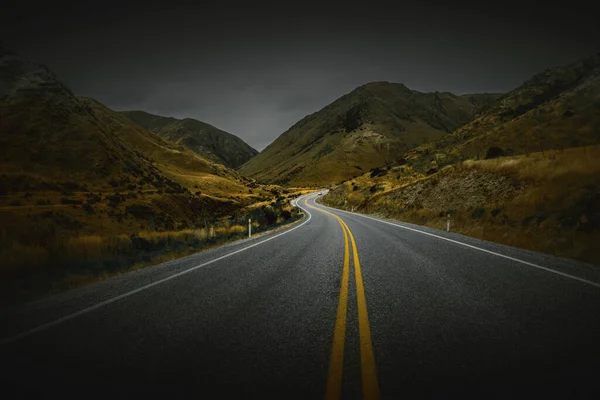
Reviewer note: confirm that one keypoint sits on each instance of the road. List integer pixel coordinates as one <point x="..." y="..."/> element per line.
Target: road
<point x="339" y="305"/>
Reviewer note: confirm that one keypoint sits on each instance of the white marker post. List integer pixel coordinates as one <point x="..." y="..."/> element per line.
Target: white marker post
<point x="249" y="227"/>
<point x="448" y="224"/>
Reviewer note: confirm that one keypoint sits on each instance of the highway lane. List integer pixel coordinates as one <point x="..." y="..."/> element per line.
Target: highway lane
<point x="441" y="319"/>
<point x="451" y="320"/>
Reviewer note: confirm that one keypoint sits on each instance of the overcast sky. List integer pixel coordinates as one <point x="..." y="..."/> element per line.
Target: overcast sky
<point x="255" y="71"/>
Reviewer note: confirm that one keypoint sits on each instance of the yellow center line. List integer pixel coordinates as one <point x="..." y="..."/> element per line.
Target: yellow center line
<point x="333" y="389"/>
<point x="370" y="386"/>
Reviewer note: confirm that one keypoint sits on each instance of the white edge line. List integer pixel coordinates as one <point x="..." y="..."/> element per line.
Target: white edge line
<point x="471" y="246"/>
<point x="58" y="321"/>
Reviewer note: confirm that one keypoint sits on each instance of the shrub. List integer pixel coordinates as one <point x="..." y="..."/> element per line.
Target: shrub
<point x="377" y="172"/>
<point x="270" y="215"/>
<point x="115" y="199"/>
<point x="375" y="188"/>
<point x="494" y="152"/>
<point x="285" y="214"/>
<point x="496" y="211"/>
<point x="15" y="203"/>
<point x="139" y="211"/>
<point x="478" y="212"/>
<point x="64" y="200"/>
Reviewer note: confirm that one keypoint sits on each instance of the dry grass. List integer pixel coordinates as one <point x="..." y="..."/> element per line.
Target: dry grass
<point x="547" y="202"/>
<point x="86" y="248"/>
<point x="547" y="166"/>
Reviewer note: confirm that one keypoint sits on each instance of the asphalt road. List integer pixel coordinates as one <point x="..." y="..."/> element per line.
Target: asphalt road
<point x="317" y="310"/>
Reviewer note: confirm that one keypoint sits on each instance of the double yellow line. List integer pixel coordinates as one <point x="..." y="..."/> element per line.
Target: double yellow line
<point x="370" y="387"/>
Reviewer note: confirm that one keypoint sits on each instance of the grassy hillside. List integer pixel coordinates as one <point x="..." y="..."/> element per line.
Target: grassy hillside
<point x="366" y="128"/>
<point x="84" y="191"/>
<point x="547" y="202"/>
<point x="199" y="137"/>
<point x="555" y="109"/>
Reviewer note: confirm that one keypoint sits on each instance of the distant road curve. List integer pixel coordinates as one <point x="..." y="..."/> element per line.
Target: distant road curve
<point x="339" y="305"/>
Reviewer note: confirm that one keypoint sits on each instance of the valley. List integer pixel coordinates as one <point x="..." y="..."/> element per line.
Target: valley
<point x="99" y="192"/>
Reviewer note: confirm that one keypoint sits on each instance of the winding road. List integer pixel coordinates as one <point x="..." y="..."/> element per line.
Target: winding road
<point x="338" y="305"/>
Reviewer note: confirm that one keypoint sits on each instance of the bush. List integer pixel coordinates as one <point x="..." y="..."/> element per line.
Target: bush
<point x="64" y="200"/>
<point x="270" y="215"/>
<point x="15" y="203"/>
<point x="494" y="152"/>
<point x="377" y="172"/>
<point x="115" y="199"/>
<point x="139" y="211"/>
<point x="478" y="212"/>
<point x="375" y="188"/>
<point x="495" y="211"/>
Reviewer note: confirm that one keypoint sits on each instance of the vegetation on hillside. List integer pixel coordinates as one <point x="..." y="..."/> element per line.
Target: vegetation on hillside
<point x="555" y="109"/>
<point x="82" y="188"/>
<point x="199" y="137"/>
<point x="523" y="172"/>
<point x="367" y="128"/>
<point x="52" y="240"/>
<point x="547" y="202"/>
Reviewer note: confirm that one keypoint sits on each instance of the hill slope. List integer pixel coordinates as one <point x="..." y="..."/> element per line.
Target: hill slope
<point x="523" y="172"/>
<point x="197" y="136"/>
<point x="84" y="191"/>
<point x="555" y="109"/>
<point x="546" y="202"/>
<point x="49" y="135"/>
<point x="71" y="166"/>
<point x="368" y="127"/>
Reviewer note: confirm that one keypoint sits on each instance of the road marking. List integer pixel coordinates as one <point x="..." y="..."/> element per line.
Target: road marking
<point x="596" y="284"/>
<point x="370" y="386"/>
<point x="58" y="321"/>
<point x="333" y="388"/>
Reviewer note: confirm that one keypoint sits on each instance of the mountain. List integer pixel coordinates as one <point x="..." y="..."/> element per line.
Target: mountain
<point x="366" y="128"/>
<point x="555" y="109"/>
<point x="47" y="134"/>
<point x="86" y="192"/>
<point x="201" y="138"/>
<point x="525" y="171"/>
<point x="60" y="152"/>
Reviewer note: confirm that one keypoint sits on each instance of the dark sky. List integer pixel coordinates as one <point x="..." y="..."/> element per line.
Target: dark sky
<point x="256" y="70"/>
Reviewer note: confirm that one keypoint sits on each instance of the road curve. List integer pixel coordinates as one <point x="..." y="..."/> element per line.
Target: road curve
<point x="339" y="305"/>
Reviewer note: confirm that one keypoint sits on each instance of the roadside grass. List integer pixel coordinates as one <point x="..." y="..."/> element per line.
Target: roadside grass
<point x="547" y="201"/>
<point x="33" y="270"/>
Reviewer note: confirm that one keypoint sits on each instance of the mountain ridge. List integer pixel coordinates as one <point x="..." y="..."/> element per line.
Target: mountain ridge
<point x="200" y="137"/>
<point x="365" y="128"/>
<point x="554" y="109"/>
